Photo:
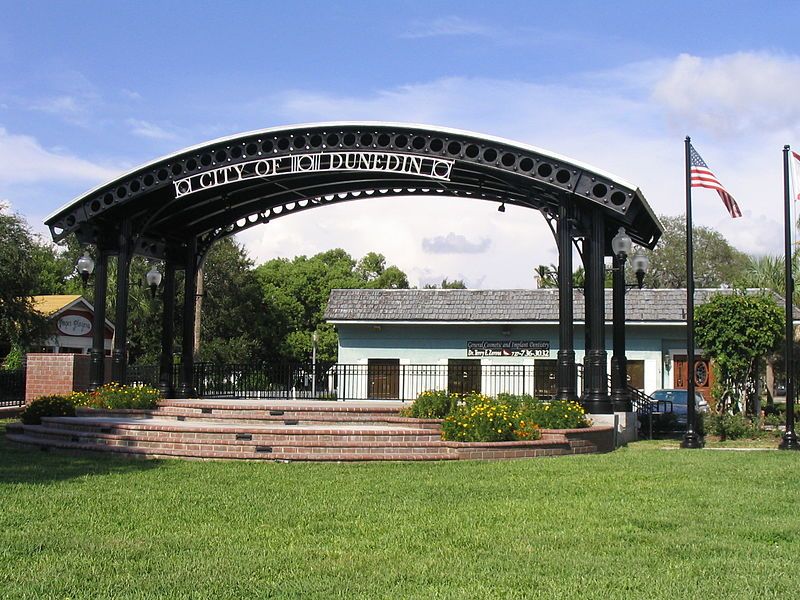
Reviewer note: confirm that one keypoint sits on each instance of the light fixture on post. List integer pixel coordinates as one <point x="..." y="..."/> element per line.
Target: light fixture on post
<point x="502" y="207"/>
<point x="621" y="245"/>
<point x="85" y="267"/>
<point x="153" y="279"/>
<point x="640" y="263"/>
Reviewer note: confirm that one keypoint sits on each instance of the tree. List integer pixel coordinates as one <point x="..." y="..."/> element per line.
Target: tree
<point x="20" y="324"/>
<point x="456" y="284"/>
<point x="235" y="319"/>
<point x="715" y="261"/>
<point x="735" y="330"/>
<point x="546" y="276"/>
<point x="295" y="294"/>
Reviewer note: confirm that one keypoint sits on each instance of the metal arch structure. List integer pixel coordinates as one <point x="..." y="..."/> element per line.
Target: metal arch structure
<point x="176" y="207"/>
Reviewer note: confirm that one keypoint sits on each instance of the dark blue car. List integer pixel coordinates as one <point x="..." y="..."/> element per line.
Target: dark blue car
<point x="678" y="400"/>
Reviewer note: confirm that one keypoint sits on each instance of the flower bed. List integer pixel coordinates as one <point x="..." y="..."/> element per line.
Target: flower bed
<point x="479" y="418"/>
<point x="110" y="396"/>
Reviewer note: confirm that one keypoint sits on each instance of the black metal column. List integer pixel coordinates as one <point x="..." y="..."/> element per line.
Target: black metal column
<point x="97" y="365"/>
<point x="620" y="397"/>
<point x="119" y="360"/>
<point x="789" y="439"/>
<point x="597" y="400"/>
<point x="185" y="388"/>
<point x="167" y="331"/>
<point x="566" y="374"/>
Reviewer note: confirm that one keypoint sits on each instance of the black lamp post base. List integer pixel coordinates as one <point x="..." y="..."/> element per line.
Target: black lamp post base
<point x="621" y="403"/>
<point x="789" y="441"/>
<point x="185" y="391"/>
<point x="166" y="391"/>
<point x="691" y="440"/>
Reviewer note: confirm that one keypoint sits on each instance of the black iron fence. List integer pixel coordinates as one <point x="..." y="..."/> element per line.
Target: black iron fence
<point x="379" y="379"/>
<point x="12" y="388"/>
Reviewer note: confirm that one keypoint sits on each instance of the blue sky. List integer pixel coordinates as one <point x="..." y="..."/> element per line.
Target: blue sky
<point x="88" y="89"/>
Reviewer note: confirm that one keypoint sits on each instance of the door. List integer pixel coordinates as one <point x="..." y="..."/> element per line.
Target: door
<point x="544" y="378"/>
<point x="703" y="377"/>
<point x="463" y="375"/>
<point x="383" y="378"/>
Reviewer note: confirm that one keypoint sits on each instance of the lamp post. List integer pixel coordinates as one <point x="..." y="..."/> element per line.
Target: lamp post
<point x="314" y="365"/>
<point x="153" y="279"/>
<point x="621" y="246"/>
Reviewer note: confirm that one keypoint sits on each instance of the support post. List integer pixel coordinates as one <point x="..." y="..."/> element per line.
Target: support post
<point x="185" y="387"/>
<point x="167" y="331"/>
<point x="98" y="355"/>
<point x="119" y="361"/>
<point x="566" y="374"/>
<point x="620" y="397"/>
<point x="597" y="400"/>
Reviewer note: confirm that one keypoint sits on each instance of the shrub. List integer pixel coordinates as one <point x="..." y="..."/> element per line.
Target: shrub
<point x="115" y="396"/>
<point x="433" y="404"/>
<point x="557" y="414"/>
<point x="732" y="427"/>
<point x="83" y="399"/>
<point x="479" y="418"/>
<point x="47" y="406"/>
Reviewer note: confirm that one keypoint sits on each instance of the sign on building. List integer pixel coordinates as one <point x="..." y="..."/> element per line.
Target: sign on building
<point x="509" y="348"/>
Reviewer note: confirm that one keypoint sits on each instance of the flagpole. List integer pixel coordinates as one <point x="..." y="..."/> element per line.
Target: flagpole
<point x="789" y="440"/>
<point x="690" y="439"/>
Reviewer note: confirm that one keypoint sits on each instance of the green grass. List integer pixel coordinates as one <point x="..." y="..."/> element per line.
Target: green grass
<point x="638" y="523"/>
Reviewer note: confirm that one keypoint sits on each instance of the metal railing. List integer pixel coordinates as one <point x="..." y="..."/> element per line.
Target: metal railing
<point x="386" y="380"/>
<point x="12" y="388"/>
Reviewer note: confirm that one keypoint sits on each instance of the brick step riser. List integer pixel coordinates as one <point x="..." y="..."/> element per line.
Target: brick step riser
<point x="301" y="442"/>
<point x="156" y="449"/>
<point x="305" y="415"/>
<point x="246" y="416"/>
<point x="260" y="437"/>
<point x="197" y="449"/>
<point x="209" y="419"/>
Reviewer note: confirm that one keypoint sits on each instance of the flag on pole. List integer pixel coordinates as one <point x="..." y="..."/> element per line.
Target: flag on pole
<point x="701" y="176"/>
<point x="796" y="174"/>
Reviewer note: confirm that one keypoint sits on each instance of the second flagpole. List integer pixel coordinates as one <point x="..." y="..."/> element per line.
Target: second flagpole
<point x="789" y="440"/>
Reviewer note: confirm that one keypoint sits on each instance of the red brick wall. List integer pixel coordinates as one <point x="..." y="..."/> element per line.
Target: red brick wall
<point x="58" y="374"/>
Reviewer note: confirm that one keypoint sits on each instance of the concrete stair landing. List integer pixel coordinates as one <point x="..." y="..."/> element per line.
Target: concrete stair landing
<point x="283" y="431"/>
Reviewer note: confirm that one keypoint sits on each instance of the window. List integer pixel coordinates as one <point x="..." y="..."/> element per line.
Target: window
<point x="636" y="374"/>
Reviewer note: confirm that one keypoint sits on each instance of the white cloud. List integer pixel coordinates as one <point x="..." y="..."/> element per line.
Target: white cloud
<point x="67" y="107"/>
<point x="454" y="243"/>
<point x="24" y="160"/>
<point x="733" y="94"/>
<point x="448" y="26"/>
<point x="149" y="130"/>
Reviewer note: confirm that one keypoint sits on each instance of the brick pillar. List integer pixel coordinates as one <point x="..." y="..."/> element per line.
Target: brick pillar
<point x="48" y="374"/>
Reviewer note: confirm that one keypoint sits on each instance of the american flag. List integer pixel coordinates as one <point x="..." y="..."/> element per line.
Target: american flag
<point x="796" y="172"/>
<point x="701" y="176"/>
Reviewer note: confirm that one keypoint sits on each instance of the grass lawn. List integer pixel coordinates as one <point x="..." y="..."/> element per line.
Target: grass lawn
<point x="638" y="523"/>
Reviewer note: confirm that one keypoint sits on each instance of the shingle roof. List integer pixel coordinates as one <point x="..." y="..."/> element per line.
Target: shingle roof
<point x="371" y="305"/>
<point x="49" y="305"/>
